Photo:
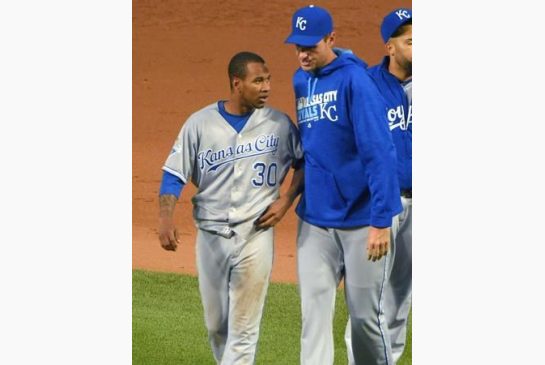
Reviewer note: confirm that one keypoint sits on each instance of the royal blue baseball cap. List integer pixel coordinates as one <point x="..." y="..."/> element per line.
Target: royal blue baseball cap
<point x="393" y="21"/>
<point x="309" y="26"/>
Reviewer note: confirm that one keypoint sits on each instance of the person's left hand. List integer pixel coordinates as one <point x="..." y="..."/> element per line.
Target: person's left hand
<point x="274" y="213"/>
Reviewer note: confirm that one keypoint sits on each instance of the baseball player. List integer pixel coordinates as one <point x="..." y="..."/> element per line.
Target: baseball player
<point x="351" y="193"/>
<point x="393" y="76"/>
<point x="237" y="152"/>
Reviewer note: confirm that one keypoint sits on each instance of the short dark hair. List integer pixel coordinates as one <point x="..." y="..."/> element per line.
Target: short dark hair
<point x="237" y="65"/>
<point x="399" y="31"/>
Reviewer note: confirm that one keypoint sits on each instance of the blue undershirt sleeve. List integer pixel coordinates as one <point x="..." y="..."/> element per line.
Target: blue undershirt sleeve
<point x="171" y="184"/>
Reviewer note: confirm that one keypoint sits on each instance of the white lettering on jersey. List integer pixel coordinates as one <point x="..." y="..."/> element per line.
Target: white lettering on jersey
<point x="263" y="144"/>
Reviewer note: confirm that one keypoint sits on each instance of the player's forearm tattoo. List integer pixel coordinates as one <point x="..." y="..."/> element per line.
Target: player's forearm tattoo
<point x="166" y="205"/>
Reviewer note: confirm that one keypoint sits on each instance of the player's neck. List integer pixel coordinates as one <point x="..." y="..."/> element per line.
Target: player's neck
<point x="236" y="108"/>
<point x="399" y="72"/>
<point x="331" y="56"/>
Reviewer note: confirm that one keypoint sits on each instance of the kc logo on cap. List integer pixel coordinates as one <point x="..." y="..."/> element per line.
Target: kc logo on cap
<point x="393" y="21"/>
<point x="301" y="23"/>
<point x="403" y="14"/>
<point x="309" y="26"/>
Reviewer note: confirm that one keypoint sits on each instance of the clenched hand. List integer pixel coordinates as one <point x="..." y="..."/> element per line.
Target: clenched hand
<point x="378" y="243"/>
<point x="168" y="234"/>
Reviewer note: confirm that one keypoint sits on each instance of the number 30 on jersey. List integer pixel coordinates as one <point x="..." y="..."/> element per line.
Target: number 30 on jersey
<point x="265" y="174"/>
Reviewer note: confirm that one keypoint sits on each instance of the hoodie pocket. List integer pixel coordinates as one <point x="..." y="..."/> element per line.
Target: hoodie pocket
<point x="322" y="195"/>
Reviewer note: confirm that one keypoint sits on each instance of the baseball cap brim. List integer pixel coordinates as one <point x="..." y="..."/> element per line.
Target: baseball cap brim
<point x="303" y="40"/>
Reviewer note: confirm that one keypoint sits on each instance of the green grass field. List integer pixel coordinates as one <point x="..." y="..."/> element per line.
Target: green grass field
<point x="168" y="324"/>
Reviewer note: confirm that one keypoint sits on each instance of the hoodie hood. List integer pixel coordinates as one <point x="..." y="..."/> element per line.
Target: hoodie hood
<point x="345" y="57"/>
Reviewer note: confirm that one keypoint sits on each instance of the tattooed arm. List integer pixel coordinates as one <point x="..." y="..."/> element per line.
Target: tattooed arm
<point x="168" y="234"/>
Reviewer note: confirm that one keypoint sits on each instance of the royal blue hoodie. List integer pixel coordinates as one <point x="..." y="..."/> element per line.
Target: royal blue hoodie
<point x="350" y="175"/>
<point x="399" y="115"/>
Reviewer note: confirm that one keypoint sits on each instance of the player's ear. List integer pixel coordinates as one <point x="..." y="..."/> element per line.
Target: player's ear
<point x="389" y="48"/>
<point x="330" y="39"/>
<point x="236" y="83"/>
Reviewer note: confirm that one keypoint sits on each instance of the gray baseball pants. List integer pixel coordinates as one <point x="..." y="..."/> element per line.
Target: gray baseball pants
<point x="233" y="281"/>
<point x="324" y="257"/>
<point x="398" y="290"/>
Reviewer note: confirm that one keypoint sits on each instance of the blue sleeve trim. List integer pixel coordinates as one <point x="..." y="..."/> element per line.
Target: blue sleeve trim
<point x="171" y="184"/>
<point x="175" y="173"/>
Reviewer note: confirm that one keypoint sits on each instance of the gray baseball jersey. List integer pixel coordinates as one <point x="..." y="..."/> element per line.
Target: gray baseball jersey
<point x="237" y="174"/>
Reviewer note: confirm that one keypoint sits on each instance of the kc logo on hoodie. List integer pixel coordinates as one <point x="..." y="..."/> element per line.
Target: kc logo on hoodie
<point x="320" y="106"/>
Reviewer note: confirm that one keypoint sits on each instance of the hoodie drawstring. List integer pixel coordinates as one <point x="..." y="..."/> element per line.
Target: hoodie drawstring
<point x="310" y="92"/>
